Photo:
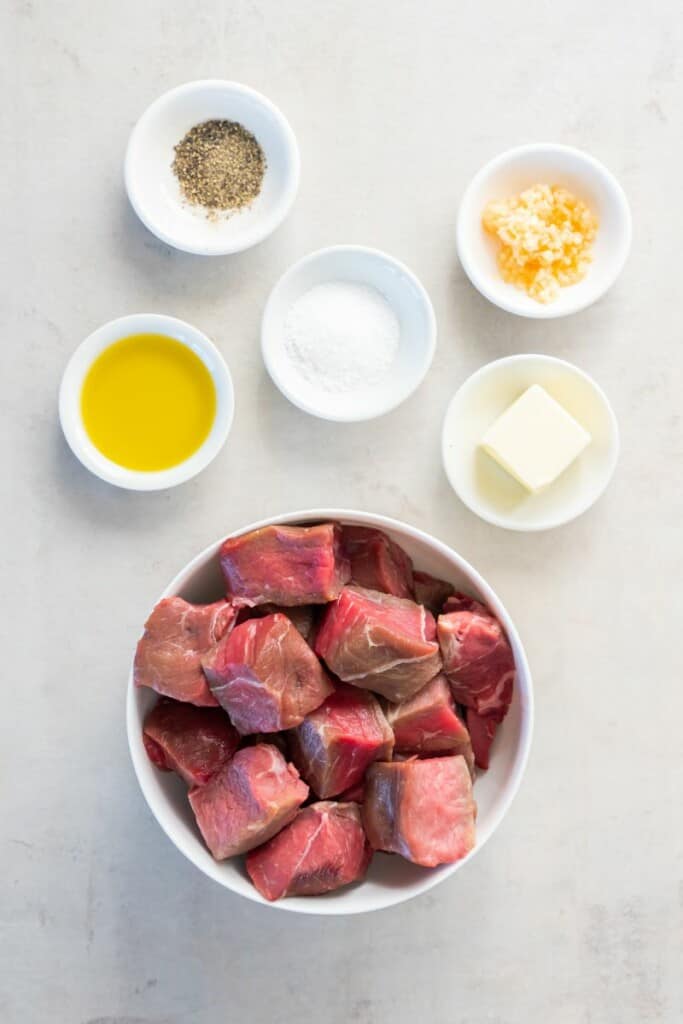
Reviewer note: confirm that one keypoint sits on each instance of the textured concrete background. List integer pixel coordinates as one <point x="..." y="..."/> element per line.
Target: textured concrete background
<point x="573" y="913"/>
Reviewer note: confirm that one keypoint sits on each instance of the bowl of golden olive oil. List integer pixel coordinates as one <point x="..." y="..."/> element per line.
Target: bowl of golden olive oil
<point x="146" y="402"/>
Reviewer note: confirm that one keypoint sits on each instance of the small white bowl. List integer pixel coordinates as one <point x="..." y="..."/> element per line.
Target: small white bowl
<point x="406" y="296"/>
<point x="72" y="385"/>
<point x="391" y="879"/>
<point x="484" y="486"/>
<point x="153" y="188"/>
<point x="508" y="175"/>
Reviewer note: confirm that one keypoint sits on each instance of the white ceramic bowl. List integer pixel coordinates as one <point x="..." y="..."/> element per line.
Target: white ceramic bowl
<point x="484" y="486"/>
<point x="72" y="385"/>
<point x="405" y="295"/>
<point x="509" y="174"/>
<point x="154" y="190"/>
<point x="391" y="879"/>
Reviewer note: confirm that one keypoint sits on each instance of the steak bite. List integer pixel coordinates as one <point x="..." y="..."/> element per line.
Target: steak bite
<point x="250" y="799"/>
<point x="285" y="565"/>
<point x="379" y="642"/>
<point x="422" y="809"/>
<point x="482" y="732"/>
<point x="428" y="722"/>
<point x="322" y="849"/>
<point x="477" y="658"/>
<point x="302" y="616"/>
<point x="194" y="742"/>
<point x="377" y="562"/>
<point x="177" y="635"/>
<point x="334" y="744"/>
<point x="431" y="592"/>
<point x="266" y="676"/>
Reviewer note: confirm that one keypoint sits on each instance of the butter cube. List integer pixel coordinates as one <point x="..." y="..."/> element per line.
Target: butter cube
<point x="535" y="439"/>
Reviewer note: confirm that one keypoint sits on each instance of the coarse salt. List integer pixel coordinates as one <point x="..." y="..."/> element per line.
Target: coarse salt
<point x="341" y="336"/>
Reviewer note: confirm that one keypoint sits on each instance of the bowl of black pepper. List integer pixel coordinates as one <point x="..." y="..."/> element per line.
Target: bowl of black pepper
<point x="212" y="167"/>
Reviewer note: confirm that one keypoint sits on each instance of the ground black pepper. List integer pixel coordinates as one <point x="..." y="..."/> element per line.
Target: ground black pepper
<point x="220" y="166"/>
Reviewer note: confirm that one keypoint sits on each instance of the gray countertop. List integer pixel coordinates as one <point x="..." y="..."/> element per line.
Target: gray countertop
<point x="572" y="914"/>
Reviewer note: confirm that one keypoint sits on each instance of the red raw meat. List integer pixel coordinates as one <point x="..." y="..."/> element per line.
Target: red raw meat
<point x="285" y="565"/>
<point x="379" y="642"/>
<point x="422" y="809"/>
<point x="250" y="799"/>
<point x="459" y="602"/>
<point x="177" y="635"/>
<point x="322" y="849"/>
<point x="428" y="723"/>
<point x="302" y="616"/>
<point x="477" y="659"/>
<point x="194" y="742"/>
<point x="431" y="592"/>
<point x="377" y="562"/>
<point x="266" y="676"/>
<point x="334" y="744"/>
<point x="354" y="794"/>
<point x="482" y="732"/>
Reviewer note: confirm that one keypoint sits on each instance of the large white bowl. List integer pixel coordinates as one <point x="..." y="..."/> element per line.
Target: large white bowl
<point x="391" y="879"/>
<point x="154" y="190"/>
<point x="406" y="296"/>
<point x="508" y="175"/>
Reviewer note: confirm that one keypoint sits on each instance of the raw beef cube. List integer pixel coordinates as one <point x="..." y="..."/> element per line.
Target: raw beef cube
<point x="322" y="849"/>
<point x="422" y="809"/>
<point x="482" y="731"/>
<point x="477" y="659"/>
<point x="335" y="744"/>
<point x="428" y="723"/>
<point x="354" y="794"/>
<point x="431" y="592"/>
<point x="278" y="739"/>
<point x="194" y="742"/>
<point x="266" y="676"/>
<point x="177" y="635"/>
<point x="287" y="565"/>
<point x="250" y="799"/>
<point x="379" y="642"/>
<point x="302" y="616"/>
<point x="377" y="562"/>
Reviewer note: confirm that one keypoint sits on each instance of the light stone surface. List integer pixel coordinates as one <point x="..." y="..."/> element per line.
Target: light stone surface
<point x="573" y="913"/>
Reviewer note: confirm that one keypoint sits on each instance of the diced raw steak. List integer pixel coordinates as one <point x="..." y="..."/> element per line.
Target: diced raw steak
<point x="477" y="659"/>
<point x="266" y="676"/>
<point x="482" y="732"/>
<point x="354" y="794"/>
<point x="194" y="742"/>
<point x="335" y="743"/>
<point x="422" y="809"/>
<point x="286" y="565"/>
<point x="431" y="592"/>
<point x="250" y="799"/>
<point x="177" y="635"/>
<point x="377" y="562"/>
<point x="379" y="642"/>
<point x="302" y="616"/>
<point x="428" y="723"/>
<point x="322" y="849"/>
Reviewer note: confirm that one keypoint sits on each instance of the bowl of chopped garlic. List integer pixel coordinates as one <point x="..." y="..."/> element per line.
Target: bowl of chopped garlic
<point x="543" y="230"/>
<point x="212" y="167"/>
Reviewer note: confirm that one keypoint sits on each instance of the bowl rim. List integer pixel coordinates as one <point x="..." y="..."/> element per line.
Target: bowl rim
<point x="505" y="300"/>
<point x="262" y="226"/>
<point x="71" y="386"/>
<point x="524" y="681"/>
<point x="615" y="444"/>
<point x="270" y="331"/>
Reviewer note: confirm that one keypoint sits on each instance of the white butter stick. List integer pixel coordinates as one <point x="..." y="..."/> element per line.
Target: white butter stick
<point x="535" y="439"/>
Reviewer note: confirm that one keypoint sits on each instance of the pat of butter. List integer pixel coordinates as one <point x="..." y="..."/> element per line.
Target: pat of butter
<point x="535" y="439"/>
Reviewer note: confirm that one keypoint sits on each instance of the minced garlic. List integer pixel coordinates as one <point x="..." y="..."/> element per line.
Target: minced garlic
<point x="546" y="237"/>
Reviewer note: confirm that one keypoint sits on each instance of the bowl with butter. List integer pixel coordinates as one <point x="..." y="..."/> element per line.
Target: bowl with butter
<point x="529" y="442"/>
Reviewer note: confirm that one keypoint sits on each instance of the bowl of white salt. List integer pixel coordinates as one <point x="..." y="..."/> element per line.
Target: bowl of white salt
<point x="348" y="333"/>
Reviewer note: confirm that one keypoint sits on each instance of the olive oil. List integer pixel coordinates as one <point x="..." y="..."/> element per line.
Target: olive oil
<point x="148" y="402"/>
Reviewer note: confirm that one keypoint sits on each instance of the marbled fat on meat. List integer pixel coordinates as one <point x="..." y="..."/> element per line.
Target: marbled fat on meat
<point x="248" y="801"/>
<point x="379" y="642"/>
<point x="322" y="849"/>
<point x="177" y="635"/>
<point x="285" y="565"/>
